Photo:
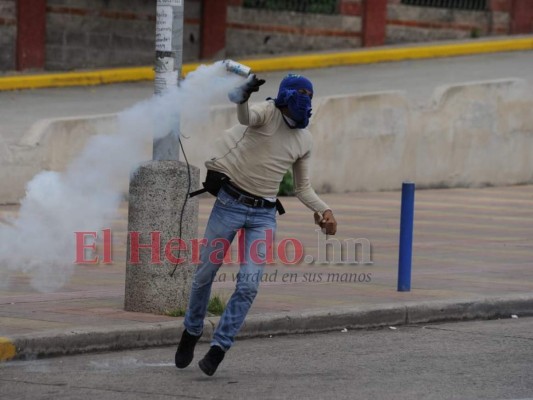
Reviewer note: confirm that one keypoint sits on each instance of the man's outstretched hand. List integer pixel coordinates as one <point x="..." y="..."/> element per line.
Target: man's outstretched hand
<point x="242" y="93"/>
<point x="327" y="222"/>
<point x="252" y="84"/>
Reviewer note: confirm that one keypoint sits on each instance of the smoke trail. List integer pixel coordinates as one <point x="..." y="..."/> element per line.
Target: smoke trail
<point x="41" y="241"/>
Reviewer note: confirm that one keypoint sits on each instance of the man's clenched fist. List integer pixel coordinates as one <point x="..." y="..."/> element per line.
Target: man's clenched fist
<point x="327" y="222"/>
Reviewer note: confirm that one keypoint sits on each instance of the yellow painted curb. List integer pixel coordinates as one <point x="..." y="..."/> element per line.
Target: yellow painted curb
<point x="390" y="54"/>
<point x="7" y="349"/>
<point x="275" y="63"/>
<point x="87" y="78"/>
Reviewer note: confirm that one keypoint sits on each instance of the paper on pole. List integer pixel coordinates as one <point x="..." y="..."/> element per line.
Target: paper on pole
<point x="173" y="3"/>
<point x="163" y="29"/>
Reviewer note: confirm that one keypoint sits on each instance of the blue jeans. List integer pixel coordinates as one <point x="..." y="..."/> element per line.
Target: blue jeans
<point x="227" y="217"/>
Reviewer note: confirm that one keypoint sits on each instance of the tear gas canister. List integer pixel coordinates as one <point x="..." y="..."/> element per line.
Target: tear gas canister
<point x="237" y="68"/>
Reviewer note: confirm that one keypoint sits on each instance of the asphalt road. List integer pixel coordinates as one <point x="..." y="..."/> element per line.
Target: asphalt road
<point x="469" y="360"/>
<point x="20" y="109"/>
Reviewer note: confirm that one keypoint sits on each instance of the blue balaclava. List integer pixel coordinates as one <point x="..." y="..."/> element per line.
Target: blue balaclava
<point x="299" y="104"/>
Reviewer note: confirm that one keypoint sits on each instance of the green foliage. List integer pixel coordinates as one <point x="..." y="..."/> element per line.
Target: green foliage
<point x="309" y="6"/>
<point x="286" y="187"/>
<point x="216" y="306"/>
<point x="178" y="312"/>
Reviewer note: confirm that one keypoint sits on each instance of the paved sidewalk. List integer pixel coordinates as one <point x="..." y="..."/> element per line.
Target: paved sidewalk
<point x="468" y="244"/>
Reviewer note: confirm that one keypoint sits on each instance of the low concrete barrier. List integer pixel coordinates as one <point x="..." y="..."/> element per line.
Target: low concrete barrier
<point x="472" y="134"/>
<point x="50" y="144"/>
<point x="476" y="134"/>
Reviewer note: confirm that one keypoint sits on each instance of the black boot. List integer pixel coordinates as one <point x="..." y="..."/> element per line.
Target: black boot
<point x="209" y="363"/>
<point x="185" y="352"/>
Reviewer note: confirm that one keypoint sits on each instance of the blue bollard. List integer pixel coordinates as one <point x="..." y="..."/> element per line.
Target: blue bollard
<point x="406" y="237"/>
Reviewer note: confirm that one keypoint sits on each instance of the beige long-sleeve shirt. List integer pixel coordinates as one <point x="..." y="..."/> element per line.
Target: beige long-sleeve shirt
<point x="257" y="153"/>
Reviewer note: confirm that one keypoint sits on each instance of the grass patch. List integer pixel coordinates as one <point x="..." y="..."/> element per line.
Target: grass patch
<point x="215" y="307"/>
<point x="178" y="312"/>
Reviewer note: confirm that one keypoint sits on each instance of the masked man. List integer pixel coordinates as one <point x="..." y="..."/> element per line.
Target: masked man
<point x="250" y="162"/>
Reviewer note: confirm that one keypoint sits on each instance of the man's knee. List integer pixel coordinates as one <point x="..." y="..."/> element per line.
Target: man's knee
<point x="248" y="289"/>
<point x="203" y="278"/>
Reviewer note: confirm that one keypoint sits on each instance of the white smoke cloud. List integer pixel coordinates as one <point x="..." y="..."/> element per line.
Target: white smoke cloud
<point x="41" y="240"/>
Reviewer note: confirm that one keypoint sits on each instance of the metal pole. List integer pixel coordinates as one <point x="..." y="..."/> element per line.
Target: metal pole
<point x="406" y="237"/>
<point x="168" y="63"/>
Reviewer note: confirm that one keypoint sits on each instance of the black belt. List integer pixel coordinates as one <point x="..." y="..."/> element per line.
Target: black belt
<point x="246" y="198"/>
<point x="250" y="200"/>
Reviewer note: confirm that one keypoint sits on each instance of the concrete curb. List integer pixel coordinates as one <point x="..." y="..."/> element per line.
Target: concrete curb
<point x="299" y="62"/>
<point x="57" y="343"/>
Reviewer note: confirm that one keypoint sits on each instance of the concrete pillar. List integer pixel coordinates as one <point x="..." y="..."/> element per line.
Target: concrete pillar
<point x="157" y="192"/>
<point x="31" y="34"/>
<point x="214" y="13"/>
<point x="374" y="22"/>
